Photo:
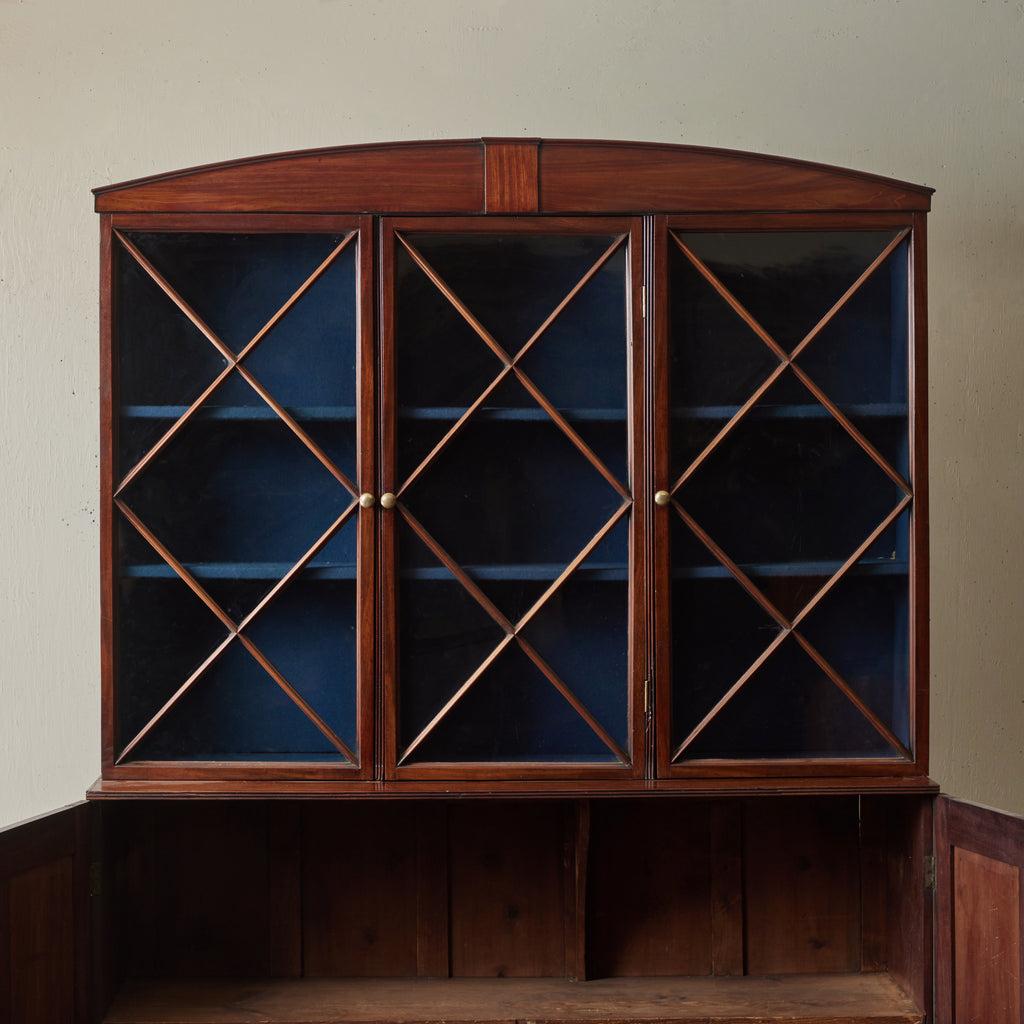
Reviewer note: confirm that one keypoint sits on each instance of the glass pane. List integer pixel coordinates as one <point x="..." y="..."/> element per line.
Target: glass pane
<point x="235" y="282"/>
<point x="513" y="713"/>
<point x="308" y="632"/>
<point x="443" y="635"/>
<point x="510" y="497"/>
<point x="441" y="364"/>
<point x="817" y="495"/>
<point x="580" y="364"/>
<point x="236" y="712"/>
<point x="164" y="633"/>
<point x="789" y="708"/>
<point x="511" y="283"/>
<point x="860" y="359"/>
<point x="718" y="631"/>
<point x="862" y="628"/>
<point x="582" y="632"/>
<point x="163" y="361"/>
<point x="308" y="364"/>
<point x="512" y="500"/>
<point x="717" y="361"/>
<point x="235" y="500"/>
<point x="787" y="280"/>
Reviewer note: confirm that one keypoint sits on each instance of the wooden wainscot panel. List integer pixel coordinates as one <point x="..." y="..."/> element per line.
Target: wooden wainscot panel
<point x="979" y="949"/>
<point x="45" y="971"/>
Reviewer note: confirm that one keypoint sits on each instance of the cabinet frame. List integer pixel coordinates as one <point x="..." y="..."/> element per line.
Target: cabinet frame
<point x="917" y="763"/>
<point x="241" y="771"/>
<point x="653" y="185"/>
<point x="632" y="230"/>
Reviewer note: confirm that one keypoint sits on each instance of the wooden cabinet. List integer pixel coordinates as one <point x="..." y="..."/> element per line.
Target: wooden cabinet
<point x="439" y="478"/>
<point x="442" y="465"/>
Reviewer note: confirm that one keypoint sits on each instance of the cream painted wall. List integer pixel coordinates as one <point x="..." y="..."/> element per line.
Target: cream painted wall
<point x="111" y="89"/>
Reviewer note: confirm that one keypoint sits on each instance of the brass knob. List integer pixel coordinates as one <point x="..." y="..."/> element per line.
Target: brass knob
<point x="366" y="500"/>
<point x="662" y="498"/>
<point x="387" y="500"/>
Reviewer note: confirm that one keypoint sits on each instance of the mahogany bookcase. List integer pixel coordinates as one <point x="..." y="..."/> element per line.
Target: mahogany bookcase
<point x="514" y="605"/>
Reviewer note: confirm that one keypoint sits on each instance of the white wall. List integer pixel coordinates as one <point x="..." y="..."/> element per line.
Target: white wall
<point x="111" y="89"/>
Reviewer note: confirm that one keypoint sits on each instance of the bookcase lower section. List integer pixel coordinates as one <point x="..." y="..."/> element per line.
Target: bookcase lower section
<point x="819" y="999"/>
<point x="797" y="908"/>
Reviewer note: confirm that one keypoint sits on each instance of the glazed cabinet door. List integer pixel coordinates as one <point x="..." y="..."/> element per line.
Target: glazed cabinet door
<point x="979" y="915"/>
<point x="511" y="528"/>
<point x="238" y="608"/>
<point x="790" y="473"/>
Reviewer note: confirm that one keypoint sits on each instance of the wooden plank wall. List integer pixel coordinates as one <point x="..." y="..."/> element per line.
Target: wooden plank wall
<point x="575" y="888"/>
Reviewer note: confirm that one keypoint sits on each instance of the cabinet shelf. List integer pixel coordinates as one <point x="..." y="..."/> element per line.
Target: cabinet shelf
<point x="810" y="411"/>
<point x="517" y="413"/>
<point x="261" y="411"/>
<point x="849" y="998"/>
<point x="348" y="412"/>
<point x="881" y="567"/>
<point x="593" y="572"/>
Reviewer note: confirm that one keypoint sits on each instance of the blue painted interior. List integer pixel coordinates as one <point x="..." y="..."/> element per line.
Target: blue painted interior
<point x="513" y="713"/>
<point x="789" y="708"/>
<point x="551" y="506"/>
<point x="859" y="360"/>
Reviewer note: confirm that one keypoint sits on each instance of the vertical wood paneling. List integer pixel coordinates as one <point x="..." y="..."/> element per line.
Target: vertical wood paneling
<point x="284" y="888"/>
<point x="211" y="884"/>
<point x="507" y="889"/>
<point x="726" y="824"/>
<point x="359" y="890"/>
<point x="432" y="926"/>
<point x="649" y="901"/>
<point x="576" y="862"/>
<point x="874" y="884"/>
<point x="802" y="885"/>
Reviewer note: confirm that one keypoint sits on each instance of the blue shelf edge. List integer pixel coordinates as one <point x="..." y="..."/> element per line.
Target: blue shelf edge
<point x="593" y="572"/>
<point x="238" y="412"/>
<point x="879" y="567"/>
<point x="810" y="411"/>
<point x="347" y="571"/>
<point x="347" y="412"/>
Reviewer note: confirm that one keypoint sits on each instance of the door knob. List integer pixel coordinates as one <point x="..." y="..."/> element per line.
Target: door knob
<point x="662" y="498"/>
<point x="387" y="500"/>
<point x="366" y="500"/>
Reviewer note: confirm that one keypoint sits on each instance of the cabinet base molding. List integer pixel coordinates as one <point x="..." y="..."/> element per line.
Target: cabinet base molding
<point x="264" y="789"/>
